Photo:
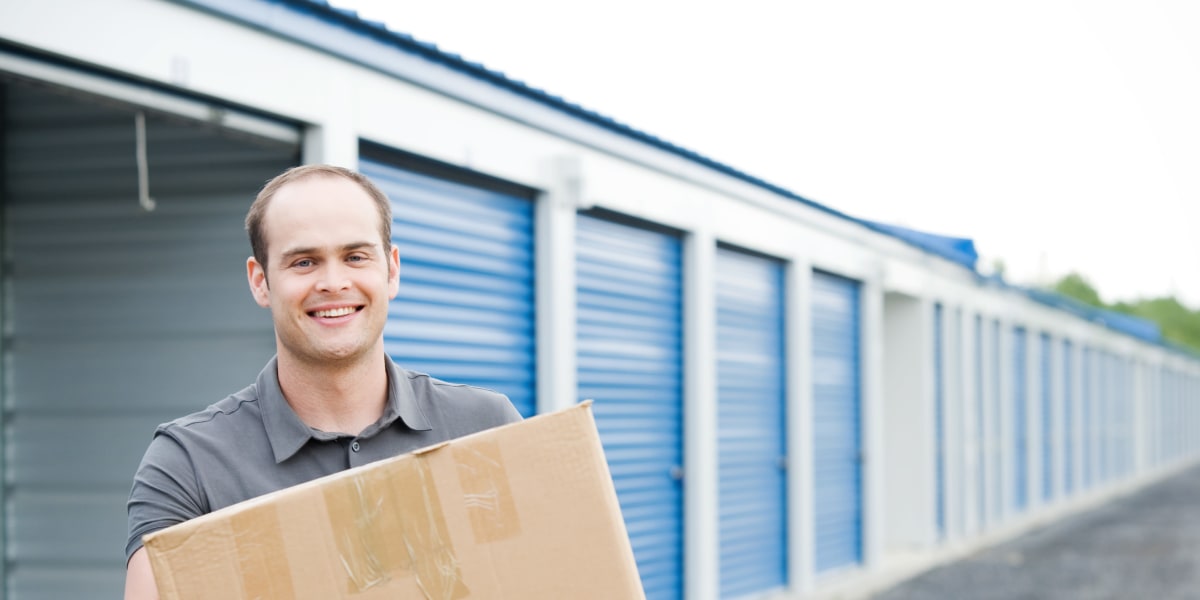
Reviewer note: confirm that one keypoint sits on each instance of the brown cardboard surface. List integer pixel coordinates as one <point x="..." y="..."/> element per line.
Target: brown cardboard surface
<point x="524" y="511"/>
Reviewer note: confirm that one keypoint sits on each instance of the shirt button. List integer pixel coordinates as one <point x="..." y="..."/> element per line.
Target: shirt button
<point x="354" y="446"/>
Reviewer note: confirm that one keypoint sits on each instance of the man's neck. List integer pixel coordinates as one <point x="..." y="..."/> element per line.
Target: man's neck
<point x="338" y="398"/>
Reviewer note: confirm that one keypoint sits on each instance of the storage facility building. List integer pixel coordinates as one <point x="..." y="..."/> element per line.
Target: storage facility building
<point x="792" y="400"/>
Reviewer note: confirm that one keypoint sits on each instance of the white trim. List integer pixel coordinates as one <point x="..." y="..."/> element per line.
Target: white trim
<point x="701" y="517"/>
<point x="801" y="566"/>
<point x="148" y="97"/>
<point x="872" y="427"/>
<point x="554" y="281"/>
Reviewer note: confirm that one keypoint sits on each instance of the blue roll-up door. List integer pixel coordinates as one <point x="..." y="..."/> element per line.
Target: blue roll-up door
<point x="630" y="362"/>
<point x="939" y="411"/>
<point x="1047" y="418"/>
<point x="1069" y="437"/>
<point x="751" y="423"/>
<point x="465" y="308"/>
<point x="837" y="443"/>
<point x="1020" y="433"/>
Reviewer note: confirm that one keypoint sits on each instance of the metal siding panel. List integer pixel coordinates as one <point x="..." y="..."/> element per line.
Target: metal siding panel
<point x="1020" y="435"/>
<point x="1047" y="418"/>
<point x="129" y="303"/>
<point x="837" y="444"/>
<point x="630" y="316"/>
<point x="465" y="310"/>
<point x="751" y="422"/>
<point x="939" y="418"/>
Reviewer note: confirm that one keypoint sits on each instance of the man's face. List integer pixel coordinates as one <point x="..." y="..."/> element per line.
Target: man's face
<point x="330" y="278"/>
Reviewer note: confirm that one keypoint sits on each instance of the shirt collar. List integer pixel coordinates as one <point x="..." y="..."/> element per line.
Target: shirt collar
<point x="287" y="433"/>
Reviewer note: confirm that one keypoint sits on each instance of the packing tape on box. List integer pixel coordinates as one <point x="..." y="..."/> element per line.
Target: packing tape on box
<point x="486" y="491"/>
<point x="260" y="553"/>
<point x="402" y="498"/>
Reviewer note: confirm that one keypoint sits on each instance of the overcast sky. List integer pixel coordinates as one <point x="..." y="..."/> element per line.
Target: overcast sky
<point x="1058" y="135"/>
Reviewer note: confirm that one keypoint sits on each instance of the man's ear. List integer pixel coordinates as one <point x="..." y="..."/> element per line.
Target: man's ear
<point x="257" y="277"/>
<point x="393" y="271"/>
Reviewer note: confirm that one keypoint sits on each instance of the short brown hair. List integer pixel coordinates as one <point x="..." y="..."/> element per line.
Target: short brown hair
<point x="254" y="218"/>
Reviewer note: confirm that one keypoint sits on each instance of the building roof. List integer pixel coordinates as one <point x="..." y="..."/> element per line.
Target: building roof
<point x="266" y="15"/>
<point x="262" y="14"/>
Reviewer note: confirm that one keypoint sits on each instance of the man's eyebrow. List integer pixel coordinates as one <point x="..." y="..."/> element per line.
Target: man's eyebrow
<point x="314" y="250"/>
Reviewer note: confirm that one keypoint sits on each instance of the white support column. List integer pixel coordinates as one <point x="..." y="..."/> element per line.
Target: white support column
<point x="334" y="139"/>
<point x="972" y="466"/>
<point x="1057" y="414"/>
<point x="929" y="413"/>
<point x="1033" y="421"/>
<point x="554" y="231"/>
<point x="333" y="142"/>
<point x="1080" y="449"/>
<point x="874" y="502"/>
<point x="987" y="381"/>
<point x="801" y="522"/>
<point x="701" y="517"/>
<point x="951" y="400"/>
<point x="960" y="415"/>
<point x="1007" y="421"/>
<point x="1140" y="409"/>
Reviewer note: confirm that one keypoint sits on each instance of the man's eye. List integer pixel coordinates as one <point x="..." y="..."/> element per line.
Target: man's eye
<point x="356" y="258"/>
<point x="303" y="263"/>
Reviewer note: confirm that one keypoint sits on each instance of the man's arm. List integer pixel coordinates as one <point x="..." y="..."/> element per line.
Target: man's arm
<point x="164" y="493"/>
<point x="139" y="578"/>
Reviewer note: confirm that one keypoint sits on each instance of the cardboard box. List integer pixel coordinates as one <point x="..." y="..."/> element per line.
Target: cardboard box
<point x="524" y="511"/>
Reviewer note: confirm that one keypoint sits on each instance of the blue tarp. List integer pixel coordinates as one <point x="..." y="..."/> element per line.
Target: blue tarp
<point x="956" y="249"/>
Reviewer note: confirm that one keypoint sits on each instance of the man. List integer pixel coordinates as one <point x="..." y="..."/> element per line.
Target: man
<point x="331" y="398"/>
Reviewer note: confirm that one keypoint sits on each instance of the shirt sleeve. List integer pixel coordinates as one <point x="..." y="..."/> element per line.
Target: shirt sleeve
<point x="164" y="491"/>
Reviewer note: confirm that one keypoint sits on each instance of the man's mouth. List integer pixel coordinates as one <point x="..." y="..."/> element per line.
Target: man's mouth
<point x="330" y="313"/>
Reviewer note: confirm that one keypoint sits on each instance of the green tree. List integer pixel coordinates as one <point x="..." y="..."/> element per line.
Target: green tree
<point x="1178" y="323"/>
<point x="1074" y="285"/>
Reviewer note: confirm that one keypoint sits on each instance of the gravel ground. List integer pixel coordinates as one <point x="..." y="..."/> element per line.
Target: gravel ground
<point x="1144" y="545"/>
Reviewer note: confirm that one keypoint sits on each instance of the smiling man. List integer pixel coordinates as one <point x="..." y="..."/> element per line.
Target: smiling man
<point x="331" y="398"/>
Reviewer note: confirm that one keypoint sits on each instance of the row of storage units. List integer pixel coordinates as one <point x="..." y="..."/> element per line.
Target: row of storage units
<point x="790" y="400"/>
<point x="1044" y="418"/>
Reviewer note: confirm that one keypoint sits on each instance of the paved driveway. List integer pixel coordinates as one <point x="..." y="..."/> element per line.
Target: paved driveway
<point x="1145" y="545"/>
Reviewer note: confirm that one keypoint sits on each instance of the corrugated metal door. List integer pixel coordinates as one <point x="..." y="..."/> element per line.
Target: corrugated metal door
<point x="465" y="310"/>
<point x="751" y="423"/>
<point x="630" y="363"/>
<point x="1020" y="426"/>
<point x="837" y="433"/>
<point x="939" y="418"/>
<point x="1069" y="437"/>
<point x="117" y="319"/>
<point x="1047" y="417"/>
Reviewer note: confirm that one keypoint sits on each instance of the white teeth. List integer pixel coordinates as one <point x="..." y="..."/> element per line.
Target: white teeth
<point x="334" y="312"/>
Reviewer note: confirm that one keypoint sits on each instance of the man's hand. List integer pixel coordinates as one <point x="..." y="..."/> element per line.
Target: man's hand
<point x="139" y="579"/>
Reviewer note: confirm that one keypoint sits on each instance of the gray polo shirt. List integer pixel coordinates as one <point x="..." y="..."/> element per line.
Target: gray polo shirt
<point x="252" y="443"/>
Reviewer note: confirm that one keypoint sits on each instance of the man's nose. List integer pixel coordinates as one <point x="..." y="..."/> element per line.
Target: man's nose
<point x="335" y="277"/>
